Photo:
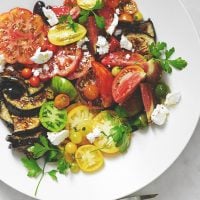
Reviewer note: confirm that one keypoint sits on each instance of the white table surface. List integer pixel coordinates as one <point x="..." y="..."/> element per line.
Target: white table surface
<point x="182" y="180"/>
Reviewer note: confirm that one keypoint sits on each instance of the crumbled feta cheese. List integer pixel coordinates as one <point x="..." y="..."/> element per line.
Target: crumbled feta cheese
<point x="10" y="68"/>
<point x="117" y="11"/>
<point x="46" y="67"/>
<point x="172" y="98"/>
<point x="125" y="43"/>
<point x="41" y="57"/>
<point x="159" y="114"/>
<point x="84" y="47"/>
<point x="37" y="71"/>
<point x="102" y="45"/>
<point x="81" y="42"/>
<point x="57" y="138"/>
<point x="50" y="15"/>
<point x="2" y="63"/>
<point x="93" y="135"/>
<point x="118" y="32"/>
<point x="114" y="24"/>
<point x="127" y="56"/>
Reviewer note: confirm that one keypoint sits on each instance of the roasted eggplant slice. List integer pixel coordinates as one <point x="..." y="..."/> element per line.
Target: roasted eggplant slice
<point x="17" y="141"/>
<point x="5" y="116"/>
<point x="141" y="42"/>
<point x="25" y="125"/>
<point x="27" y="106"/>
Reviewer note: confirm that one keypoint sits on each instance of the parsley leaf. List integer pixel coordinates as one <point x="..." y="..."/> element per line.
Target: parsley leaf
<point x="52" y="174"/>
<point x="63" y="166"/>
<point x="100" y="21"/>
<point x="99" y="4"/>
<point x="33" y="168"/>
<point x="121" y="112"/>
<point x="70" y="22"/>
<point x="161" y="54"/>
<point x="84" y="16"/>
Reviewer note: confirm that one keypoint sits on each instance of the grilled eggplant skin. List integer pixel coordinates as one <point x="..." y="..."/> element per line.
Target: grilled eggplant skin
<point x="27" y="106"/>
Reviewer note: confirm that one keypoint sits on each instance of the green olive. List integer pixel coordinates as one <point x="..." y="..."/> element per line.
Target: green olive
<point x="161" y="90"/>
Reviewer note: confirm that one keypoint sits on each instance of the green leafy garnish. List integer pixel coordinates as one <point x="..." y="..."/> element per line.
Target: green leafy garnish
<point x="161" y="54"/>
<point x="52" y="174"/>
<point x="84" y="14"/>
<point x="33" y="168"/>
<point x="70" y="22"/>
<point x="121" y="112"/>
<point x="63" y="166"/>
<point x="121" y="136"/>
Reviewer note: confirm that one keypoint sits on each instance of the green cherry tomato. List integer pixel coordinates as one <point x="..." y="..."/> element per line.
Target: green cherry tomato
<point x="116" y="70"/>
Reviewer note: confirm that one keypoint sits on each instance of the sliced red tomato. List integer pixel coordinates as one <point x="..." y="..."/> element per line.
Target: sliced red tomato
<point x="61" y="10"/>
<point x="70" y="2"/>
<point x="93" y="33"/>
<point x="114" y="44"/>
<point x="21" y="33"/>
<point x="104" y="80"/>
<point x="108" y="14"/>
<point x="122" y="58"/>
<point x="64" y="62"/>
<point x="111" y="3"/>
<point x="83" y="67"/>
<point x="147" y="98"/>
<point x="126" y="82"/>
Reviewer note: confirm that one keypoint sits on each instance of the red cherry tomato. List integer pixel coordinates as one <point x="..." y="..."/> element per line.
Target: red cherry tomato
<point x="34" y="81"/>
<point x="61" y="10"/>
<point x="26" y="73"/>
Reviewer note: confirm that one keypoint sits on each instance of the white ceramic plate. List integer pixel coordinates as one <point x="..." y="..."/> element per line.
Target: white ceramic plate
<point x="151" y="152"/>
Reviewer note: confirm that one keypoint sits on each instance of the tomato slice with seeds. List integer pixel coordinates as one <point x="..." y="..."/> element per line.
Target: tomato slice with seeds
<point x="126" y="82"/>
<point x="119" y="58"/>
<point x="65" y="61"/>
<point x="52" y="118"/>
<point x="21" y="33"/>
<point x="84" y="66"/>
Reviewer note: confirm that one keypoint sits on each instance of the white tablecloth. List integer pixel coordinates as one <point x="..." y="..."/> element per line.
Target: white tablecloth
<point x="182" y="180"/>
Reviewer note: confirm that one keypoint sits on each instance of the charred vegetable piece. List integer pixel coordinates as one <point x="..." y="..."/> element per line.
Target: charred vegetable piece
<point x="5" y="115"/>
<point x="52" y="118"/>
<point x="27" y="106"/>
<point x="141" y="42"/>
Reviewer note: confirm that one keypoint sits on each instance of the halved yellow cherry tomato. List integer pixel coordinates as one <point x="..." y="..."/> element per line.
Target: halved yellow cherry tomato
<point x="87" y="5"/>
<point x="89" y="158"/>
<point x="62" y="34"/>
<point x="105" y="121"/>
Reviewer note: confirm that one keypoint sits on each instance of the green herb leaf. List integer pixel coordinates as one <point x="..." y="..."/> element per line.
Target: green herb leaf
<point x="62" y="19"/>
<point x="99" y="4"/>
<point x="38" y="150"/>
<point x="121" y="112"/>
<point x="33" y="168"/>
<point x="100" y="21"/>
<point x="71" y="23"/>
<point x="161" y="54"/>
<point x="83" y="18"/>
<point x="52" y="174"/>
<point x="63" y="166"/>
<point x="179" y="63"/>
<point x="125" y="143"/>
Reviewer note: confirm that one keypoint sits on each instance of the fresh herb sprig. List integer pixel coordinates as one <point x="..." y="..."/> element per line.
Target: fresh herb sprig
<point x="162" y="54"/>
<point x="70" y="22"/>
<point x="100" y="21"/>
<point x="51" y="154"/>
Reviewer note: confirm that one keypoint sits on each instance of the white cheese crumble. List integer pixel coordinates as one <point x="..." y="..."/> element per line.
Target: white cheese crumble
<point x="10" y="68"/>
<point x="172" y="98"/>
<point x="50" y="15"/>
<point x="127" y="56"/>
<point x="37" y="71"/>
<point x="57" y="137"/>
<point x="117" y="11"/>
<point x="102" y="45"/>
<point x="118" y="32"/>
<point x="41" y="57"/>
<point x="81" y="42"/>
<point x="125" y="43"/>
<point x="93" y="135"/>
<point x="159" y="114"/>
<point x="46" y="67"/>
<point x="2" y="63"/>
<point x="110" y="30"/>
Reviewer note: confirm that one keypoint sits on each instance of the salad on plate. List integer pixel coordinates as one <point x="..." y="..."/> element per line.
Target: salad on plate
<point x="78" y="79"/>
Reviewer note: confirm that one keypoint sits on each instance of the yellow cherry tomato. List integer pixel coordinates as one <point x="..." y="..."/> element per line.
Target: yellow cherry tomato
<point x="105" y="121"/>
<point x="87" y="4"/>
<point x="75" y="136"/>
<point x="89" y="158"/>
<point x="70" y="148"/>
<point x="62" y="34"/>
<point x="138" y="16"/>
